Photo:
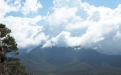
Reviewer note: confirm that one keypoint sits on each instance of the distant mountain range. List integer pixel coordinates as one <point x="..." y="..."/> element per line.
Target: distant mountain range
<point x="70" y="61"/>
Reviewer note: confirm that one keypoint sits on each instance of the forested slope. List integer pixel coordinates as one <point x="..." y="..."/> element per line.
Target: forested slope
<point x="67" y="61"/>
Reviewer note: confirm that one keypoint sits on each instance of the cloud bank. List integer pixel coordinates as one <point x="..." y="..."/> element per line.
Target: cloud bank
<point x="67" y="23"/>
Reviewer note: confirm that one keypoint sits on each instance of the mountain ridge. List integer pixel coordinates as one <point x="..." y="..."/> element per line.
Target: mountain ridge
<point x="56" y="59"/>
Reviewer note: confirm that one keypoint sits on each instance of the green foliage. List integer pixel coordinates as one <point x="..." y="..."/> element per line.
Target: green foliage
<point x="12" y="65"/>
<point x="41" y="67"/>
<point x="5" y="31"/>
<point x="84" y="62"/>
<point x="13" y="69"/>
<point x="8" y="42"/>
<point x="18" y="64"/>
<point x="11" y="59"/>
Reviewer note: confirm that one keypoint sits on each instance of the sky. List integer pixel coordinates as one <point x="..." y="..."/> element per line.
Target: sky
<point x="92" y="24"/>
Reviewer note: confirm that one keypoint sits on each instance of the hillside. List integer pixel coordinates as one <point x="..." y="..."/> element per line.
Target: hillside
<point x="12" y="69"/>
<point x="67" y="61"/>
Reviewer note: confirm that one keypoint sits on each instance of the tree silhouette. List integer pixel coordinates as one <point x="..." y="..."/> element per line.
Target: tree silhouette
<point x="8" y="42"/>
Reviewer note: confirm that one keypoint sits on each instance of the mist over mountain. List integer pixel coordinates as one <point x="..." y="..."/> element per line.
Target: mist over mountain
<point x="65" y="23"/>
<point x="61" y="27"/>
<point x="70" y="61"/>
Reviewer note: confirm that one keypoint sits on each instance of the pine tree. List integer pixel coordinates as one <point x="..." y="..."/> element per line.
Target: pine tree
<point x="13" y="66"/>
<point x="8" y="42"/>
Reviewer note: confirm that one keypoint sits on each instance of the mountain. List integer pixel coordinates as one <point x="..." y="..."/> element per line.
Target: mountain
<point x="70" y="61"/>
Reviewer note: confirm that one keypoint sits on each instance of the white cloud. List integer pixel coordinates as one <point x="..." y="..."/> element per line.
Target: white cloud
<point x="31" y="6"/>
<point x="62" y="39"/>
<point x="76" y="23"/>
<point x="117" y="36"/>
<point x="26" y="30"/>
<point x="68" y="23"/>
<point x="8" y="6"/>
<point x="3" y="9"/>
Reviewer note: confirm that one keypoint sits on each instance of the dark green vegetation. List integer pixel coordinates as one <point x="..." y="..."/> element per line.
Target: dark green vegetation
<point x="67" y="61"/>
<point x="12" y="69"/>
<point x="8" y="42"/>
<point x="11" y="66"/>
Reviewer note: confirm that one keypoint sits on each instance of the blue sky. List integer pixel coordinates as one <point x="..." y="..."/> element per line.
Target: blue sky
<point x="107" y="3"/>
<point x="48" y="4"/>
<point x="95" y="24"/>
